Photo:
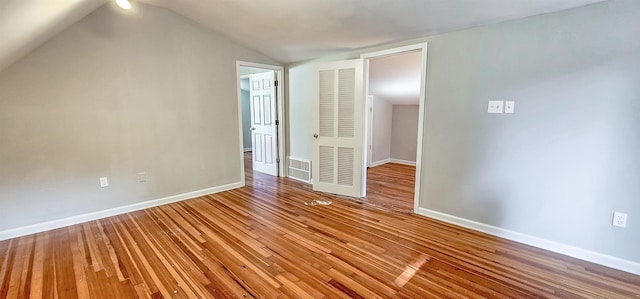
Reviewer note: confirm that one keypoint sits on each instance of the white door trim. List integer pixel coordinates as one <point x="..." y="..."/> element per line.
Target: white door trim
<point x="369" y="133"/>
<point x="280" y="115"/>
<point x="422" y="105"/>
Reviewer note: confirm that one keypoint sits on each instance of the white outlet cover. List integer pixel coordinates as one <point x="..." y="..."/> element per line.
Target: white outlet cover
<point x="619" y="219"/>
<point x="495" y="107"/>
<point x="142" y="177"/>
<point x="104" y="182"/>
<point x="509" y="106"/>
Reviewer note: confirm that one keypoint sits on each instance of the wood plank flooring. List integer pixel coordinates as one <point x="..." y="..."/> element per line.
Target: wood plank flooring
<point x="262" y="241"/>
<point x="391" y="186"/>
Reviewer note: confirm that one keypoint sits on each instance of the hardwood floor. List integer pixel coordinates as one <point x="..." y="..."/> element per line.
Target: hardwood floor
<point x="263" y="241"/>
<point x="391" y="186"/>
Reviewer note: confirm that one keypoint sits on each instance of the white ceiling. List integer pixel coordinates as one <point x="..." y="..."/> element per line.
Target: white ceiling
<point x="296" y="30"/>
<point x="285" y="30"/>
<point x="396" y="78"/>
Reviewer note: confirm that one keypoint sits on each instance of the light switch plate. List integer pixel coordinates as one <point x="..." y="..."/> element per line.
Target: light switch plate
<point x="509" y="106"/>
<point x="104" y="182"/>
<point x="495" y="107"/>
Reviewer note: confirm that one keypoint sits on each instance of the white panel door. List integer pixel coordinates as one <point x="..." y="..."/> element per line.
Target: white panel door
<point x="338" y="124"/>
<point x="263" y="122"/>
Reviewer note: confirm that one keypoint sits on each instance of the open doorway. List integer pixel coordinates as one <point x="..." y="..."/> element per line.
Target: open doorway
<point x="260" y="125"/>
<point x="340" y="139"/>
<point x="394" y="85"/>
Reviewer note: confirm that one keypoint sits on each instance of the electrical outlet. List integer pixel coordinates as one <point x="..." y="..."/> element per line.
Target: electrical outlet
<point x="495" y="107"/>
<point x="142" y="177"/>
<point x="104" y="182"/>
<point x="619" y="219"/>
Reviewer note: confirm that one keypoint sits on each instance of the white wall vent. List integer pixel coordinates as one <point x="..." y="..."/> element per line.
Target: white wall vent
<point x="300" y="169"/>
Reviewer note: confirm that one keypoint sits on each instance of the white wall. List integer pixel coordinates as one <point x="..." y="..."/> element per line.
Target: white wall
<point x="568" y="158"/>
<point x="381" y="131"/>
<point x="404" y="133"/>
<point x="114" y="95"/>
<point x="394" y="132"/>
<point x="300" y="111"/>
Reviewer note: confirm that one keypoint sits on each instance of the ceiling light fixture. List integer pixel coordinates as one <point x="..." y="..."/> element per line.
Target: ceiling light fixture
<point x="124" y="4"/>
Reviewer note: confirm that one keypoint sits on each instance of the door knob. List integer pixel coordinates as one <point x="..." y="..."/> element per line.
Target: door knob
<point x="315" y="135"/>
<point x="252" y="129"/>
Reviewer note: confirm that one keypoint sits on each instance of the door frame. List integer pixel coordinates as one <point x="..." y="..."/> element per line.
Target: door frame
<point x="369" y="123"/>
<point x="280" y="115"/>
<point x="243" y="77"/>
<point x="421" y="109"/>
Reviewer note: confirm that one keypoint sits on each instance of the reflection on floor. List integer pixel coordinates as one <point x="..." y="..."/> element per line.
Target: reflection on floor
<point x="262" y="241"/>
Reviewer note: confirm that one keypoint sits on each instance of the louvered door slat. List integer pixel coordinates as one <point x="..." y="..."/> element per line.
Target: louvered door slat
<point x="346" y="101"/>
<point x="327" y="99"/>
<point x="326" y="164"/>
<point x="345" y="166"/>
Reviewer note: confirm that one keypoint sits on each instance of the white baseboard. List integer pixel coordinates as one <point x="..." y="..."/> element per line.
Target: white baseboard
<point x="579" y="253"/>
<point x="301" y="180"/>
<point x="53" y="224"/>
<point x="392" y="160"/>
<point x="247" y="149"/>
<point x="378" y="163"/>
<point x="403" y="162"/>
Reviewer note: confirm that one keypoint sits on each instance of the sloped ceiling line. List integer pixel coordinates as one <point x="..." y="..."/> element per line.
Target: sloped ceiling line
<point x="286" y="30"/>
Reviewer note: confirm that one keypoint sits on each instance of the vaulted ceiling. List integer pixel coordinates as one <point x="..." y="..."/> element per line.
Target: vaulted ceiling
<point x="285" y="30"/>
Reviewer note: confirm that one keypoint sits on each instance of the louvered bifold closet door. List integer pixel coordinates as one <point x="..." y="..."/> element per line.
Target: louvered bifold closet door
<point x="338" y="139"/>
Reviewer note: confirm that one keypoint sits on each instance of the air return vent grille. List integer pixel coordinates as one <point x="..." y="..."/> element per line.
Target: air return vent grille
<point x="300" y="169"/>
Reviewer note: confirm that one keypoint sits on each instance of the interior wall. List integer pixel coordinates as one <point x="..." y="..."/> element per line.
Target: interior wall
<point x="381" y="134"/>
<point x="246" y="115"/>
<point x="300" y="111"/>
<point x="114" y="95"/>
<point x="568" y="158"/>
<point x="404" y="133"/>
<point x="570" y="150"/>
